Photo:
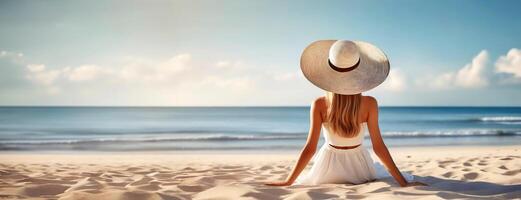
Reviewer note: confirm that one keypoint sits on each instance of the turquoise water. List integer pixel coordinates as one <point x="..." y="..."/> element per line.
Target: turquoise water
<point x="238" y="128"/>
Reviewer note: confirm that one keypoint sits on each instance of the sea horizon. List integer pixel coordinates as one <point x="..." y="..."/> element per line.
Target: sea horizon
<point x="251" y="106"/>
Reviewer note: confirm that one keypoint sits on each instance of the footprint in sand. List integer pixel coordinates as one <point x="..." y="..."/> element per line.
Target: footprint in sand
<point x="471" y="175"/>
<point x="43" y="189"/>
<point x="512" y="172"/>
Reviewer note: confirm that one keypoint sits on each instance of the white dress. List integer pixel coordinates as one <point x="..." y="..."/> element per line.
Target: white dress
<point x="347" y="166"/>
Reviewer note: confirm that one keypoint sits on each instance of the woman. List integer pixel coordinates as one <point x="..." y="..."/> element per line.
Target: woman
<point x="344" y="69"/>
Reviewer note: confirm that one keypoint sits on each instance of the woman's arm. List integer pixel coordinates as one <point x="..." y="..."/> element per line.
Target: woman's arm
<point x="379" y="146"/>
<point x="311" y="145"/>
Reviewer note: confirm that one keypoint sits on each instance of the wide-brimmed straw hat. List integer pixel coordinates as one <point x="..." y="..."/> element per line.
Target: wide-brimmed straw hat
<point x="343" y="66"/>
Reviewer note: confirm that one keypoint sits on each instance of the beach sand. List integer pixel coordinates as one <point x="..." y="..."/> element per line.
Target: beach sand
<point x="451" y="172"/>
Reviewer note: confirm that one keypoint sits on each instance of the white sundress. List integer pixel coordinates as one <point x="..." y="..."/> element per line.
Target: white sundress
<point x="346" y="166"/>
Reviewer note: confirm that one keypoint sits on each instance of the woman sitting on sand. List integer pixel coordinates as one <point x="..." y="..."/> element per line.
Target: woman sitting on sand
<point x="344" y="69"/>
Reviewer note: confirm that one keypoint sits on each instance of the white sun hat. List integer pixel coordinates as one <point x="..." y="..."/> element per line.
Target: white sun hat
<point x="343" y="66"/>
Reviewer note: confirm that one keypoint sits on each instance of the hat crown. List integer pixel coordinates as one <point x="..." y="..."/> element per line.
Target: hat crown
<point x="344" y="54"/>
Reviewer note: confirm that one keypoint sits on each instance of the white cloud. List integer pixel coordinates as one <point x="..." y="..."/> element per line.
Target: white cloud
<point x="84" y="72"/>
<point x="396" y="81"/>
<point x="35" y="68"/>
<point x="142" y="70"/>
<point x="472" y="75"/>
<point x="172" y="66"/>
<point x="131" y="71"/>
<point x="39" y="74"/>
<point x="178" y="73"/>
<point x="510" y="63"/>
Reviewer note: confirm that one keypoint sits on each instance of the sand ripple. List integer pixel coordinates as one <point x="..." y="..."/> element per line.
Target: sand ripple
<point x="460" y="177"/>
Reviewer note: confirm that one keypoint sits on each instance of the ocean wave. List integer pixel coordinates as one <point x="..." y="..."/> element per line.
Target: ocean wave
<point x="160" y="139"/>
<point x="453" y="133"/>
<point x="267" y="137"/>
<point x="501" y="119"/>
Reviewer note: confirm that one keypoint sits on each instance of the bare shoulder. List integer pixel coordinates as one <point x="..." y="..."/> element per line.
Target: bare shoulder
<point x="370" y="101"/>
<point x="319" y="102"/>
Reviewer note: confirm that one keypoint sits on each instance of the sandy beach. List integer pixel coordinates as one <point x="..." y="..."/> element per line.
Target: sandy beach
<point x="452" y="172"/>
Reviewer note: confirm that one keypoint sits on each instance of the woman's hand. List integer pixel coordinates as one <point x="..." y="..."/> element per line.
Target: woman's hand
<point x="280" y="183"/>
<point x="412" y="184"/>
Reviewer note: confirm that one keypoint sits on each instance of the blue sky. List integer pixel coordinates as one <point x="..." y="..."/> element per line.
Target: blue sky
<point x="191" y="53"/>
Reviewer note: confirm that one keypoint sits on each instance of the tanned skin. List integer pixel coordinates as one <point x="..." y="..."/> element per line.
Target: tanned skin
<point x="368" y="113"/>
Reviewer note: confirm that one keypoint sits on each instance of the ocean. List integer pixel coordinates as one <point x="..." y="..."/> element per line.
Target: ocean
<point x="238" y="128"/>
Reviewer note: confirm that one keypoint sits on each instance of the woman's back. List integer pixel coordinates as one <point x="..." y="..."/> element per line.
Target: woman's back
<point x="336" y="139"/>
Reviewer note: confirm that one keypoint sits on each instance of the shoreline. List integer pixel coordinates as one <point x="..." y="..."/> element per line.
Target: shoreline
<point x="253" y="151"/>
<point x="275" y="150"/>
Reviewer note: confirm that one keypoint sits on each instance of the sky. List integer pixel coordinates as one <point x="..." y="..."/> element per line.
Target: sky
<point x="247" y="53"/>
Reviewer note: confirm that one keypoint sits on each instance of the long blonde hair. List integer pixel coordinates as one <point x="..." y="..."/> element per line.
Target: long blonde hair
<point x="342" y="113"/>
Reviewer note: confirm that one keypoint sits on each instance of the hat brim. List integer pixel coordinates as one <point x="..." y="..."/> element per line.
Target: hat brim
<point x="372" y="70"/>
